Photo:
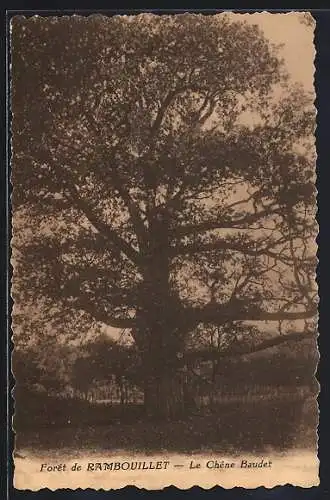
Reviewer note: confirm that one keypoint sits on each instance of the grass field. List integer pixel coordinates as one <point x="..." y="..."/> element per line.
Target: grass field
<point x="233" y="428"/>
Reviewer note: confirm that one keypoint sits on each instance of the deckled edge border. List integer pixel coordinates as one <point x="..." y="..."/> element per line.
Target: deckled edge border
<point x="10" y="226"/>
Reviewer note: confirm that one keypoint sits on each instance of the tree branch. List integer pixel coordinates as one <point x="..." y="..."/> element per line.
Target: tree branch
<point x="161" y="112"/>
<point x="215" y="354"/>
<point x="103" y="316"/>
<point x="117" y="183"/>
<point x="140" y="230"/>
<point x="106" y="231"/>
<point x="199" y="247"/>
<point x="237" y="310"/>
<point x="224" y="223"/>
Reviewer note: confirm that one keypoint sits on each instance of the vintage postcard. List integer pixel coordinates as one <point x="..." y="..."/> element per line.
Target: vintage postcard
<point x="163" y="250"/>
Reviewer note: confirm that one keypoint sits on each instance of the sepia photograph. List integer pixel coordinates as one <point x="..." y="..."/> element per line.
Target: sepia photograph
<point x="165" y="314"/>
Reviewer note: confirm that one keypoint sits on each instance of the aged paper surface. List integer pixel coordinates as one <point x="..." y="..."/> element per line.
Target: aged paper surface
<point x="164" y="254"/>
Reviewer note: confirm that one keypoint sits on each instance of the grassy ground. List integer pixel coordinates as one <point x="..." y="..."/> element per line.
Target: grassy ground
<point x="233" y="428"/>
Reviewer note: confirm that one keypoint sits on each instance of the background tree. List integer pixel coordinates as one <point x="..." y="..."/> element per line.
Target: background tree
<point x="104" y="360"/>
<point x="164" y="173"/>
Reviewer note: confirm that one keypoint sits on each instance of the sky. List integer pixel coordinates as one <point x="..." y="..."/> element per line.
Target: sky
<point x="298" y="49"/>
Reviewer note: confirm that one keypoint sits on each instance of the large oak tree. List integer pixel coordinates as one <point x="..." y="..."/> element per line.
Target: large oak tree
<point x="164" y="169"/>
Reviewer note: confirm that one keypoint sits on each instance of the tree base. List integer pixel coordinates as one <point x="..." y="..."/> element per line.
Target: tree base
<point x="165" y="397"/>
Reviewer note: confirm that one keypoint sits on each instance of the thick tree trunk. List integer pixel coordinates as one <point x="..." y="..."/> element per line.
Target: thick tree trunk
<point x="159" y="334"/>
<point x="168" y="395"/>
<point x="164" y="396"/>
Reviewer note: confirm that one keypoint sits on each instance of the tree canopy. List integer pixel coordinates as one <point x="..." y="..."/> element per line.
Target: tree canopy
<point x="163" y="168"/>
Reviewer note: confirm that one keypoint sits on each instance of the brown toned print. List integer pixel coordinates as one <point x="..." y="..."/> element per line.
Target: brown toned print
<point x="164" y="254"/>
